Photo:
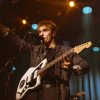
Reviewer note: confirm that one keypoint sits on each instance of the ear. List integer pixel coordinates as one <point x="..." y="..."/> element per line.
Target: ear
<point x="54" y="34"/>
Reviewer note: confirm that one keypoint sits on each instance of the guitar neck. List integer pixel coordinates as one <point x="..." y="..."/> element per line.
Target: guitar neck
<point x="76" y="49"/>
<point x="50" y="64"/>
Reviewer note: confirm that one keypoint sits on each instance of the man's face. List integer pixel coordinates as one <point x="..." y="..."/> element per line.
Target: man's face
<point x="45" y="33"/>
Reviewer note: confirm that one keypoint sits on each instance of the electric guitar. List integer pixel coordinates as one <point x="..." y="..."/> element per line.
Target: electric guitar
<point x="32" y="78"/>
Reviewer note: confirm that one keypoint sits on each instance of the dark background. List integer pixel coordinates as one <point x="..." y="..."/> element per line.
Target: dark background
<point x="73" y="26"/>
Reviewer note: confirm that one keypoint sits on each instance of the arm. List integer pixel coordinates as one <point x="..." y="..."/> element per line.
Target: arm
<point x="80" y="66"/>
<point x="23" y="45"/>
<point x="76" y="63"/>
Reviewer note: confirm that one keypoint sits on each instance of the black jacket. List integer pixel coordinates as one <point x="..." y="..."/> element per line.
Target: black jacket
<point x="38" y="53"/>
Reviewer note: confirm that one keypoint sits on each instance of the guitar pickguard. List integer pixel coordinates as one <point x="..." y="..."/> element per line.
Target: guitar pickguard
<point x="30" y="80"/>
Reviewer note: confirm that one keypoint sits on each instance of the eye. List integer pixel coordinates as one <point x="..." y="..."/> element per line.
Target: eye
<point x="39" y="31"/>
<point x="45" y="30"/>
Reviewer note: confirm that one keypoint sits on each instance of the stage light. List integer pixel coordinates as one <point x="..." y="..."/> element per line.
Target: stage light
<point x="13" y="69"/>
<point x="71" y="3"/>
<point x="34" y="26"/>
<point x="24" y="21"/>
<point x="96" y="49"/>
<point x="87" y="10"/>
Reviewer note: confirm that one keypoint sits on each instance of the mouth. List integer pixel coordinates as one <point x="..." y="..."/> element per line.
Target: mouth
<point x="41" y="38"/>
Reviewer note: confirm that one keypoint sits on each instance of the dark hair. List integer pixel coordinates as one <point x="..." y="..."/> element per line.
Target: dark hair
<point x="48" y="23"/>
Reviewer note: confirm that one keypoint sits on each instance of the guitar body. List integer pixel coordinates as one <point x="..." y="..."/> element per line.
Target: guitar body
<point x="30" y="80"/>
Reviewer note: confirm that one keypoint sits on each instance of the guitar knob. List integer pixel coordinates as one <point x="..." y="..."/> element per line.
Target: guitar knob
<point x="21" y="83"/>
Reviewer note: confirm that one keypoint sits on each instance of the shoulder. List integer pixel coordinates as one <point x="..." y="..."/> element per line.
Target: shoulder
<point x="39" y="48"/>
<point x="65" y="45"/>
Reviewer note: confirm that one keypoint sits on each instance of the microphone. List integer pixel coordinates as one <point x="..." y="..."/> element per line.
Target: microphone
<point x="41" y="38"/>
<point x="35" y="34"/>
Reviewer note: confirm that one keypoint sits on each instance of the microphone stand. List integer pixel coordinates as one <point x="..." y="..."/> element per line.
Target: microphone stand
<point x="7" y="69"/>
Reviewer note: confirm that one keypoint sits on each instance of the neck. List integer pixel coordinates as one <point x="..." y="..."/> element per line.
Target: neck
<point x="52" y="44"/>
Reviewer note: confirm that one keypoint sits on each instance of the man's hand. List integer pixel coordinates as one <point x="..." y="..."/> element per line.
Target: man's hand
<point x="77" y="69"/>
<point x="66" y="63"/>
<point x="3" y="30"/>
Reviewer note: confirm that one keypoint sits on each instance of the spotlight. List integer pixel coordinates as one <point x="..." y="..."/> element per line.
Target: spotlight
<point x="71" y="3"/>
<point x="24" y="21"/>
<point x="96" y="49"/>
<point x="13" y="69"/>
<point x="87" y="10"/>
<point x="34" y="26"/>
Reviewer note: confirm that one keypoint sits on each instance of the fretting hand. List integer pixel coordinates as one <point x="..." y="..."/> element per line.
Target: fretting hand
<point x="66" y="63"/>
